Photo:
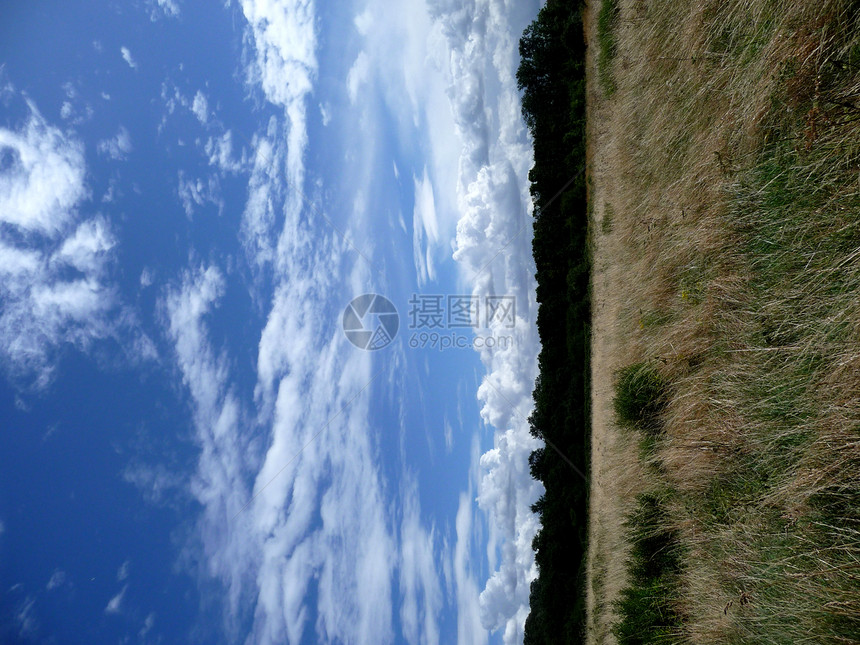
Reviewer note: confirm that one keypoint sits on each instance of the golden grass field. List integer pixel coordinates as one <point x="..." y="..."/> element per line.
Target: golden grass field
<point x="724" y="190"/>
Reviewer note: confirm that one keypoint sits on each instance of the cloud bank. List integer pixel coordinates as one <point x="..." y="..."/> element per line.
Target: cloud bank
<point x="493" y="247"/>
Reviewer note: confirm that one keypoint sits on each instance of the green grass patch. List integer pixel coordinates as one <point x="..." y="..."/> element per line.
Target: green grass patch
<point x="606" y="22"/>
<point x="640" y="395"/>
<point x="608" y="216"/>
<point x="647" y="607"/>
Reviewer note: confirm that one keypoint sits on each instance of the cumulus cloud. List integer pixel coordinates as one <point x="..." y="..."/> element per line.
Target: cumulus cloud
<point x="127" y="57"/>
<point x="315" y="526"/>
<point x="117" y="147"/>
<point x="157" y="483"/>
<point x="53" y="263"/>
<point x="295" y="525"/>
<point x="325" y="114"/>
<point x="146" y="278"/>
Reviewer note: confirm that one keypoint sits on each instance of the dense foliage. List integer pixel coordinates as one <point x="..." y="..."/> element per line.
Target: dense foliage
<point x="552" y="78"/>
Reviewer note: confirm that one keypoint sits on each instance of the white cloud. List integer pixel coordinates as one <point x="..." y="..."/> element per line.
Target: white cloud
<point x="315" y="525"/>
<point x="45" y="304"/>
<point x="117" y="147"/>
<point x="220" y="153"/>
<point x="265" y="195"/>
<point x="449" y="79"/>
<point x="200" y="107"/>
<point x="157" y="483"/>
<point x="284" y="65"/>
<point x="146" y="278"/>
<point x="114" y="605"/>
<point x="275" y="548"/>
<point x="42" y="180"/>
<point x="127" y="57"/>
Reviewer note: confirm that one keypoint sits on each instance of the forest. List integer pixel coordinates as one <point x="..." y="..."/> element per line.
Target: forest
<point x="551" y="77"/>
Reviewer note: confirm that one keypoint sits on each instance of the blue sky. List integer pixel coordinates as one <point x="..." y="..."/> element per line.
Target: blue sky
<point x="191" y="449"/>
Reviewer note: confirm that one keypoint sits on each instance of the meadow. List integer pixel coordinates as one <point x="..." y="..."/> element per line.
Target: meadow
<point x="724" y="202"/>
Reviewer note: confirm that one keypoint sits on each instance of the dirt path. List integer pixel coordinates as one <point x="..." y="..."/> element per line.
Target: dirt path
<point x="615" y="468"/>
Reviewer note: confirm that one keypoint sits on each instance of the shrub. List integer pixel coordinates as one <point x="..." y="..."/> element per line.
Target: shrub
<point x="640" y="394"/>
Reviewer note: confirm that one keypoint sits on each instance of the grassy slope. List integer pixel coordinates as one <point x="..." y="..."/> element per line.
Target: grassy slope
<point x="731" y="145"/>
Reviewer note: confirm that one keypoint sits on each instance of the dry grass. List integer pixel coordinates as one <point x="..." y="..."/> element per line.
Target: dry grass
<point x="730" y="153"/>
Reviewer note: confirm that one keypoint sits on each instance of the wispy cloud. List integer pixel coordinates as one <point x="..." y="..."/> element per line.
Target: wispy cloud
<point x="114" y="605"/>
<point x="123" y="571"/>
<point x="421" y="601"/>
<point x="195" y="193"/>
<point x="358" y="76"/>
<point x="58" y="579"/>
<point x="425" y="229"/>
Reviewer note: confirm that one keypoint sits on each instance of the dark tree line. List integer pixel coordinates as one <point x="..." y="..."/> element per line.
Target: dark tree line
<point x="552" y="78"/>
